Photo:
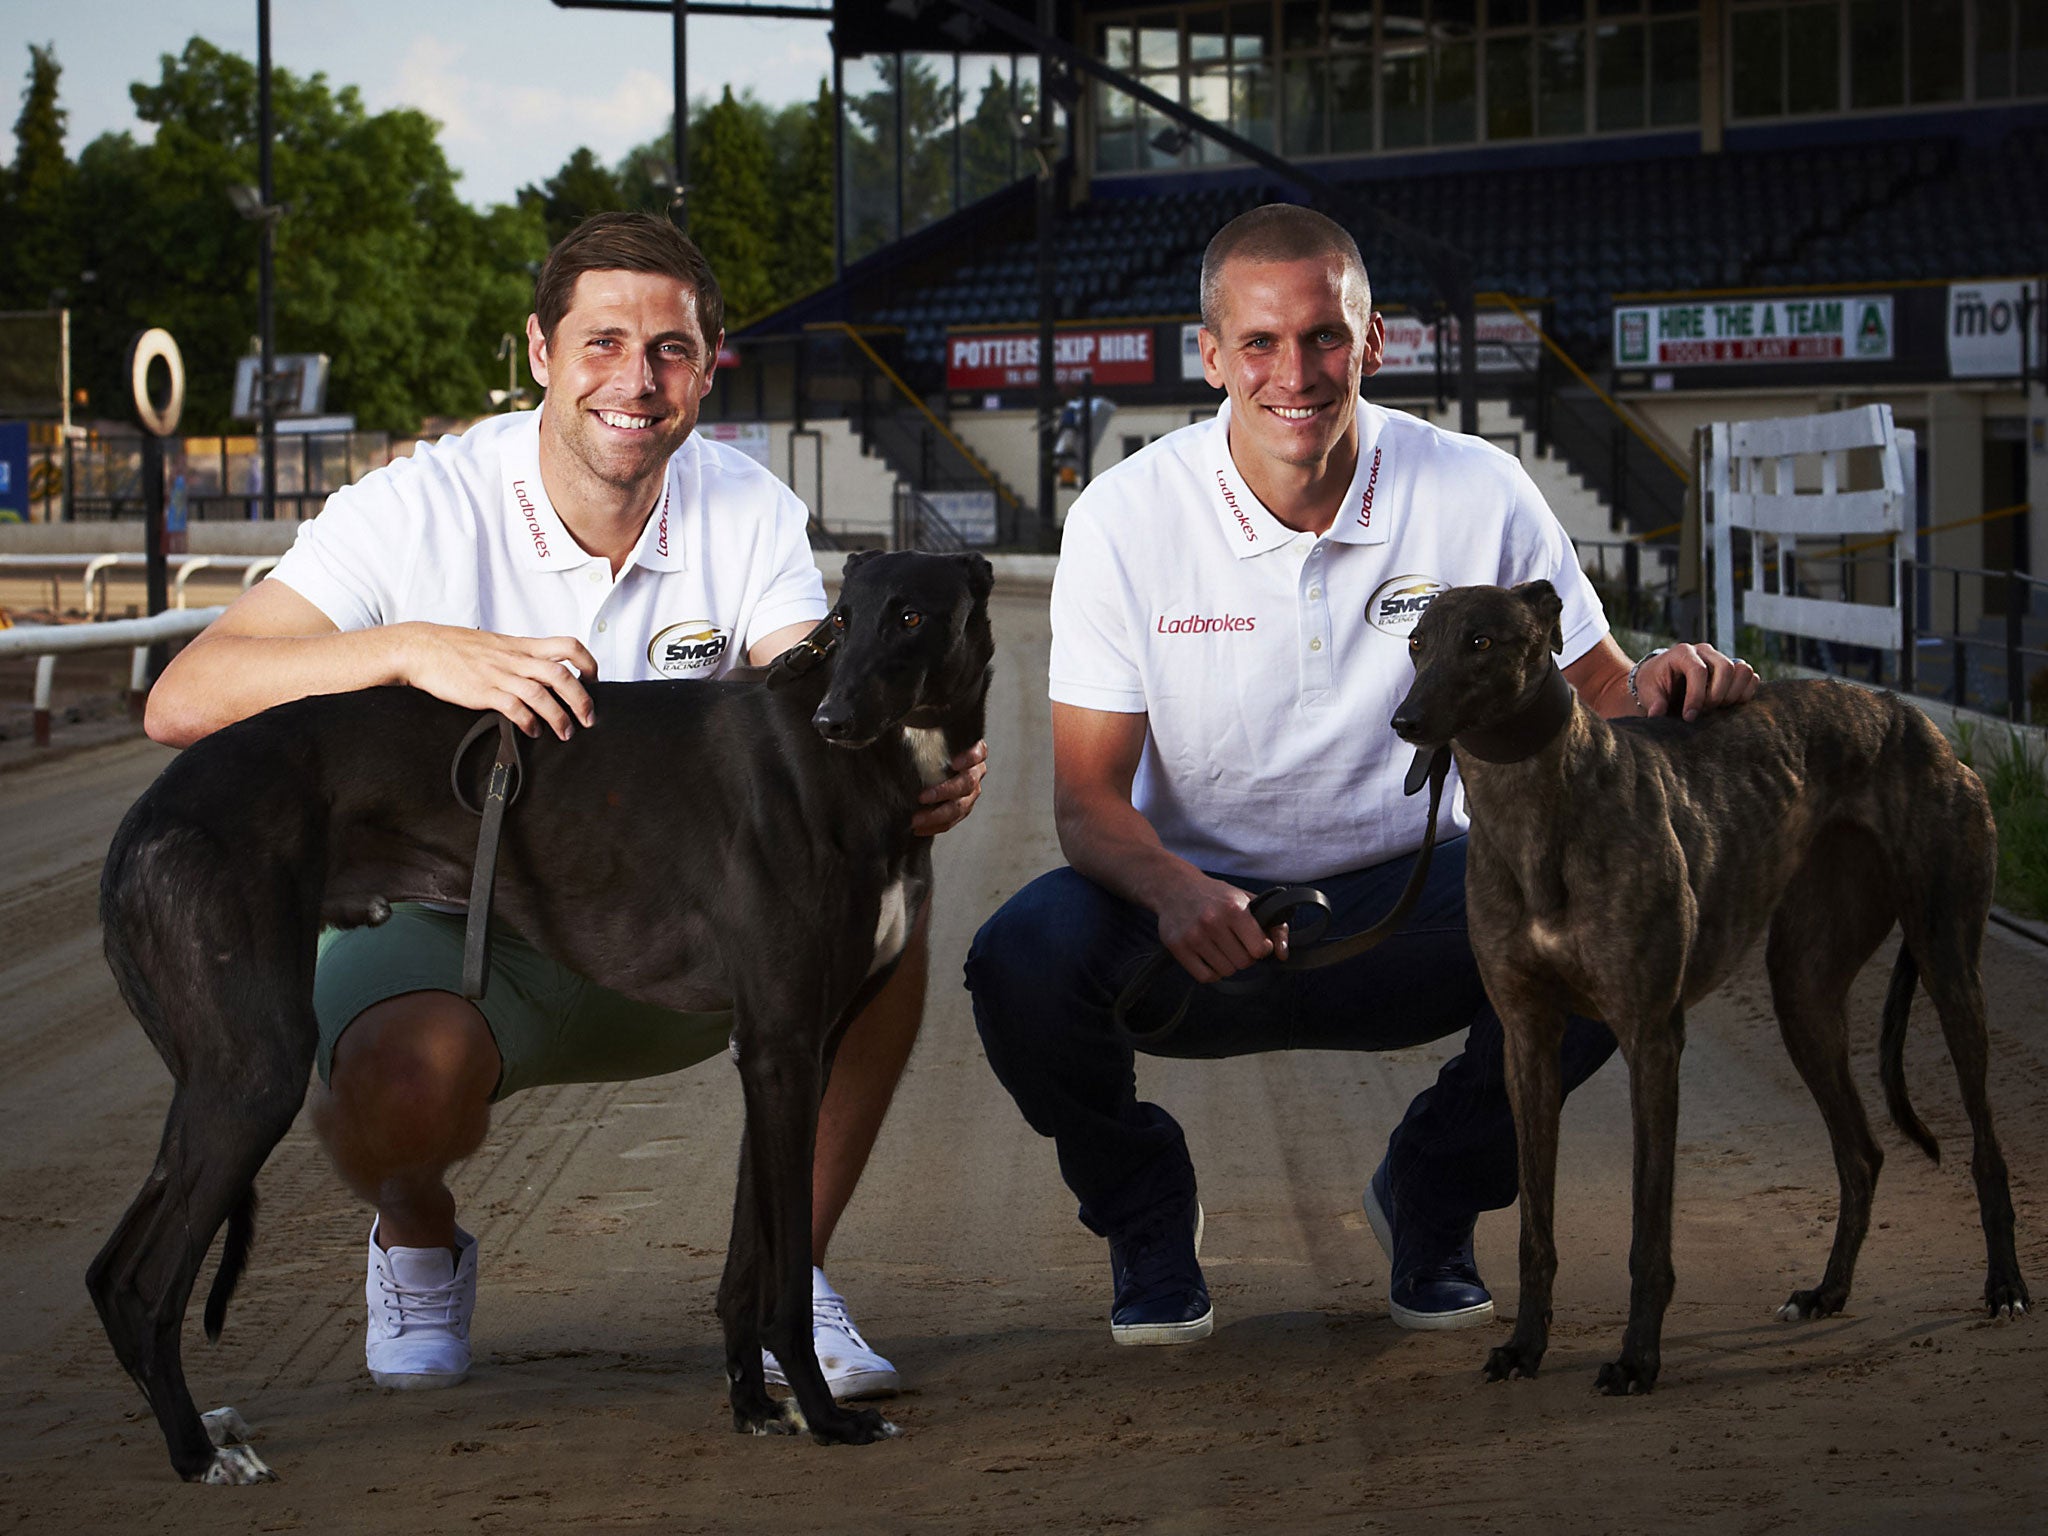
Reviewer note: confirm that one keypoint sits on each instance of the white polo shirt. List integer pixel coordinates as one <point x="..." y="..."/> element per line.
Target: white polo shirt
<point x="462" y="533"/>
<point x="1268" y="662"/>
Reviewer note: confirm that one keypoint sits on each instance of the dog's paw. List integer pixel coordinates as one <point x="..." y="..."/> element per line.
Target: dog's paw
<point x="1505" y="1362"/>
<point x="236" y="1466"/>
<point x="769" y="1417"/>
<point x="2006" y="1298"/>
<point x="1804" y="1306"/>
<point x="1623" y="1378"/>
<point x="226" y="1426"/>
<point x="858" y="1426"/>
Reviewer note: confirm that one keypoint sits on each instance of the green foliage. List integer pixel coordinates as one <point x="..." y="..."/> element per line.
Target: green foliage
<point x="731" y="216"/>
<point x="989" y="155"/>
<point x="2017" y="781"/>
<point x="38" y="257"/>
<point x="379" y="263"/>
<point x="802" y="260"/>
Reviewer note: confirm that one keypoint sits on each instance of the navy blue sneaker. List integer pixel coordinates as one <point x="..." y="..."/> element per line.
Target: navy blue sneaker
<point x="1434" y="1285"/>
<point x="1160" y="1295"/>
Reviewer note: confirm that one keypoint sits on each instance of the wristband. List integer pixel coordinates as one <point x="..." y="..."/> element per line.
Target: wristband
<point x="1635" y="697"/>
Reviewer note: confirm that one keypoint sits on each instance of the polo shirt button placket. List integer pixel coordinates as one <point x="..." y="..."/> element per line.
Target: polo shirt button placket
<point x="1315" y="667"/>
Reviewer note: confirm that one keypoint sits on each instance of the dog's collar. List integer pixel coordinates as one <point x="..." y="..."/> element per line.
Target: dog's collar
<point x="1529" y="729"/>
<point x="804" y="655"/>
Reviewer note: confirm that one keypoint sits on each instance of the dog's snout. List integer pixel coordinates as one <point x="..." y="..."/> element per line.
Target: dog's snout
<point x="833" y="719"/>
<point x="1406" y="724"/>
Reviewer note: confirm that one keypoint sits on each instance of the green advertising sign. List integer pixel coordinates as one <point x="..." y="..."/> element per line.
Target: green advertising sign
<point x="1852" y="327"/>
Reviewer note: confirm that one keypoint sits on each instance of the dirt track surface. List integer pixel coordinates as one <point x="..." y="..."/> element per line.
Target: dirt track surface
<point x="597" y="1399"/>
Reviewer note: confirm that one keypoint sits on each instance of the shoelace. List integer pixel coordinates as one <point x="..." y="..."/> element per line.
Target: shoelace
<point x="433" y="1305"/>
<point x="830" y="1312"/>
<point x="1148" y="1261"/>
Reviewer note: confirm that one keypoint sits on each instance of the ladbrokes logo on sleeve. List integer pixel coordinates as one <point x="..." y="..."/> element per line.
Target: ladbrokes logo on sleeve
<point x="689" y="649"/>
<point x="1397" y="603"/>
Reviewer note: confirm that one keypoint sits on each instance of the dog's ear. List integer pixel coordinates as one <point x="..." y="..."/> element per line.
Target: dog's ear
<point x="981" y="576"/>
<point x="856" y="560"/>
<point x="1542" y="596"/>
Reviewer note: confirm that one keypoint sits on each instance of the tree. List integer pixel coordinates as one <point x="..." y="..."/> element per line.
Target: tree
<point x="988" y="140"/>
<point x="579" y="189"/>
<point x="732" y="218"/>
<point x="38" y="260"/>
<point x="802" y="260"/>
<point x="379" y="263"/>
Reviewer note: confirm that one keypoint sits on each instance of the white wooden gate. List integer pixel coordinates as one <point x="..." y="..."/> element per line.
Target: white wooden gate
<point x="1741" y="457"/>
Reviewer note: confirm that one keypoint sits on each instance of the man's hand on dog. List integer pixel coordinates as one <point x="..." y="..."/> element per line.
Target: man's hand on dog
<point x="1693" y="679"/>
<point x="532" y="683"/>
<point x="1207" y="926"/>
<point x="947" y="802"/>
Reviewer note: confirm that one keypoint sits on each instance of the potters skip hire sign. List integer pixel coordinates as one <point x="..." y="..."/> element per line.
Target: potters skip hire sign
<point x="1847" y="327"/>
<point x="1009" y="359"/>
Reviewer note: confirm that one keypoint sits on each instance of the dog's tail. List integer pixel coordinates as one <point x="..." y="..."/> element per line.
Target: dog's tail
<point x="234" y="1258"/>
<point x="1891" y="1059"/>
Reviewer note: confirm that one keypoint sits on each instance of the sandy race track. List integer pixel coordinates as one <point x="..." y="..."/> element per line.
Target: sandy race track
<point x="597" y="1400"/>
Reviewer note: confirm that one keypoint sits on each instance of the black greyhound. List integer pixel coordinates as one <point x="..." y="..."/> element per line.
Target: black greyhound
<point x="1620" y="869"/>
<point x="703" y="845"/>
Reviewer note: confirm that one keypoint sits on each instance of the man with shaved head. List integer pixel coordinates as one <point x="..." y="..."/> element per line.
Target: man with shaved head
<point x="1230" y="622"/>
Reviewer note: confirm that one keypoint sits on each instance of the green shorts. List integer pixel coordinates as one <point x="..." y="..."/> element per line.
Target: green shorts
<point x="551" y="1025"/>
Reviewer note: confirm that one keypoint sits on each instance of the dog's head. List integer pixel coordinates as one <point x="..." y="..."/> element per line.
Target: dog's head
<point x="1479" y="652"/>
<point x="910" y="643"/>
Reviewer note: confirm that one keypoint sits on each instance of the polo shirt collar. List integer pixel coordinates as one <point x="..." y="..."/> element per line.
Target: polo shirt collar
<point x="1367" y="514"/>
<point x="661" y="546"/>
<point x="544" y="542"/>
<point x="1250" y="529"/>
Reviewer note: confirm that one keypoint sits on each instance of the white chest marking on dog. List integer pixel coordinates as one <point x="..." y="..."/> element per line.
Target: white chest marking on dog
<point x="892" y="928"/>
<point x="1551" y="938"/>
<point x="928" y="750"/>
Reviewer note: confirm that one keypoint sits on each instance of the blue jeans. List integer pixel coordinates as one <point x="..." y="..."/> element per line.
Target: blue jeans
<point x="1046" y="968"/>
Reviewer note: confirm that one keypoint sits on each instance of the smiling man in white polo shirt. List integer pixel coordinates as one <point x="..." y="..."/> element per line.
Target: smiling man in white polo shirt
<point x="1230" y="622"/>
<point x="597" y="537"/>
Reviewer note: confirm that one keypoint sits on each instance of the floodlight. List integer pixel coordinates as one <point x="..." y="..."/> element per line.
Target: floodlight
<point x="247" y="200"/>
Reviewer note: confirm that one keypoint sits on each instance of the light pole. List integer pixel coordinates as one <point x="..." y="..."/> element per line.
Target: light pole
<point x="512" y="397"/>
<point x="259" y="205"/>
<point x="266" y="295"/>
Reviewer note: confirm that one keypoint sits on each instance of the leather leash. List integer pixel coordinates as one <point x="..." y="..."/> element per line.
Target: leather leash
<point x="1269" y="906"/>
<point x="508" y="777"/>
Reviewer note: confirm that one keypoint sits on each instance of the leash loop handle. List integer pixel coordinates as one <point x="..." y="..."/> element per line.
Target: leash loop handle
<point x="508" y="778"/>
<point x="1430" y="767"/>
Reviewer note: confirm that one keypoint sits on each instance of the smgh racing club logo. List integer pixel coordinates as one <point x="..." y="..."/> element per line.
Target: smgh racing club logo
<point x="1397" y="604"/>
<point x="689" y="649"/>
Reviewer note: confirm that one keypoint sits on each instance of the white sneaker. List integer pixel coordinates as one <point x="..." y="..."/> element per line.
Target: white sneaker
<point x="852" y="1370"/>
<point x="421" y="1301"/>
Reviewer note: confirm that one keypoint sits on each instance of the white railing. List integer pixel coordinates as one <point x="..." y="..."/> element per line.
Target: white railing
<point x="94" y="569"/>
<point x="46" y="642"/>
<point x="1742" y="456"/>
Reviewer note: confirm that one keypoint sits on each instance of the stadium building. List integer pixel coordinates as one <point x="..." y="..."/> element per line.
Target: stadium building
<point x="1670" y="212"/>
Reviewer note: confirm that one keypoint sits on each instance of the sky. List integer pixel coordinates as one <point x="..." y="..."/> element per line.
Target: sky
<point x="516" y="85"/>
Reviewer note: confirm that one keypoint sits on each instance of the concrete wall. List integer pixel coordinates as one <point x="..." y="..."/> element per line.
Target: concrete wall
<point x="851" y="492"/>
<point x="1007" y="442"/>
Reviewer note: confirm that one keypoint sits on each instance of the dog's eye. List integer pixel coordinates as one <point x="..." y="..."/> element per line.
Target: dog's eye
<point x="1414" y="644"/>
<point x="1481" y="643"/>
<point x="839" y="621"/>
<point x="912" y="618"/>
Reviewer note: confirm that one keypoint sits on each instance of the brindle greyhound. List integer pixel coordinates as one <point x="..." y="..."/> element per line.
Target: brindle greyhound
<point x="703" y="845"/>
<point x="1620" y="869"/>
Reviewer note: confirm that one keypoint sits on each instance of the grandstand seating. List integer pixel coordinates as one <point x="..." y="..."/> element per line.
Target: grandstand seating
<point x="1572" y="234"/>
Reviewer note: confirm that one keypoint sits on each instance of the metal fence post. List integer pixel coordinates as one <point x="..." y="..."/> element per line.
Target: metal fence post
<point x="1909" y="639"/>
<point x="2015" y="677"/>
